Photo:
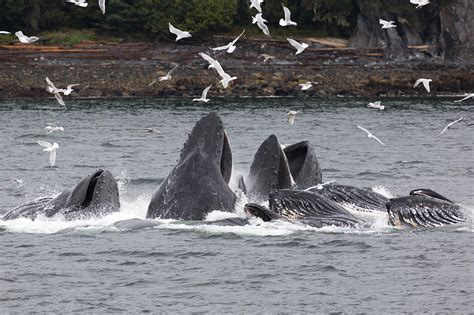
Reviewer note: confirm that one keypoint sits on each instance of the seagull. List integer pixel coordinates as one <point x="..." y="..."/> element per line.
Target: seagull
<point x="299" y="47"/>
<point x="216" y="65"/>
<point x="165" y="78"/>
<point x="307" y="85"/>
<point x="25" y="39"/>
<point x="449" y="125"/>
<point x="376" y="105"/>
<point x="387" y="24"/>
<point x="52" y="128"/>
<point x="19" y="182"/>
<point x="79" y="3"/>
<point x="291" y="116"/>
<point x="426" y="83"/>
<point x="68" y="90"/>
<point x="287" y="20"/>
<point x="102" y="6"/>
<point x="204" y="95"/>
<point x="230" y="47"/>
<point x="370" y="135"/>
<point x="420" y="3"/>
<point x="256" y="4"/>
<point x="4" y="32"/>
<point x="51" y="148"/>
<point x="266" y="57"/>
<point x="467" y="96"/>
<point x="261" y="23"/>
<point x="150" y="130"/>
<point x="179" y="34"/>
<point x="53" y="90"/>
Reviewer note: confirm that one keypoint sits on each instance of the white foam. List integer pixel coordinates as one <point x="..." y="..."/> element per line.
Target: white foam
<point x="383" y="191"/>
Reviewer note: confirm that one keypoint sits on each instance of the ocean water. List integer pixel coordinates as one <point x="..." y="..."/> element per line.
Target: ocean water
<point x="51" y="265"/>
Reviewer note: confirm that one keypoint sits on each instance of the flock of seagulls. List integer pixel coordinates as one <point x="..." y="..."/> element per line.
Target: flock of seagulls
<point x="214" y="64"/>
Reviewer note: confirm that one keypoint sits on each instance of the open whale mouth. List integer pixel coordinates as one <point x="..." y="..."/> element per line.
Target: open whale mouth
<point x="91" y="188"/>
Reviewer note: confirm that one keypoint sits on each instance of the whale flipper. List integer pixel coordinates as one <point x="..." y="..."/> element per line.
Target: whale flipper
<point x="198" y="184"/>
<point x="95" y="195"/>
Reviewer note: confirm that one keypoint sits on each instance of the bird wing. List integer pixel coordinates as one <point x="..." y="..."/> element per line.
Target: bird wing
<point x="232" y="43"/>
<point x="206" y="90"/>
<point x="449" y="125"/>
<point x="426" y="84"/>
<point x="153" y="82"/>
<point x="378" y="140"/>
<point x="225" y="47"/>
<point x="45" y="144"/>
<point x="264" y="28"/>
<point x="52" y="157"/>
<point x="287" y="13"/>
<point x="174" y="30"/>
<point x="383" y="22"/>
<point x="51" y="124"/>
<point x="4" y="32"/>
<point x="213" y="62"/>
<point x="294" y="43"/>
<point x="361" y="128"/>
<point x="102" y="6"/>
<point x="172" y="70"/>
<point x="72" y="85"/>
<point x="51" y="84"/>
<point x="59" y="98"/>
<point x="417" y="82"/>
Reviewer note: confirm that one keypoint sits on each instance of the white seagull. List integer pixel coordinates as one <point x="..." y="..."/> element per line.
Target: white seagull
<point x="256" y="4"/>
<point x="79" y="3"/>
<point x="291" y="116"/>
<point x="466" y="96"/>
<point x="287" y="20"/>
<point x="299" y="47"/>
<point x="51" y="148"/>
<point x="230" y="47"/>
<point x="19" y="182"/>
<point x="260" y="21"/>
<point x="376" y="105"/>
<point x="68" y="90"/>
<point x="216" y="65"/>
<point x="164" y="78"/>
<point x="426" y="83"/>
<point x="387" y="24"/>
<point x="370" y="135"/>
<point x="4" y="32"/>
<point x="179" y="34"/>
<point x="52" y="128"/>
<point x="102" y="6"/>
<point x="266" y="57"/>
<point x="307" y="85"/>
<point x="53" y="90"/>
<point x="449" y="125"/>
<point x="25" y="39"/>
<point x="204" y="96"/>
<point x="420" y="3"/>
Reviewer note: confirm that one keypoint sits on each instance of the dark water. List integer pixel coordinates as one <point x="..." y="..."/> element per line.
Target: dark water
<point x="56" y="266"/>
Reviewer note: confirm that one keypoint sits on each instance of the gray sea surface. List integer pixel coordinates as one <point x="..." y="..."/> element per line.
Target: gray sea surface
<point x="95" y="266"/>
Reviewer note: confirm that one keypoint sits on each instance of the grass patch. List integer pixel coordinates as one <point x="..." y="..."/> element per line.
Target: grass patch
<point x="67" y="37"/>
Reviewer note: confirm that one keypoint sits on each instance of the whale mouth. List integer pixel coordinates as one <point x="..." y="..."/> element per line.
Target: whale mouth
<point x="91" y="188"/>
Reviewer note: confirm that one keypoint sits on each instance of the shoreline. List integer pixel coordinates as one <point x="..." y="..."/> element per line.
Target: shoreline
<point x="125" y="70"/>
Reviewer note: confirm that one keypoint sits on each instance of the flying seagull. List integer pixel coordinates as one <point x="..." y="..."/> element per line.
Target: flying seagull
<point x="299" y="47"/>
<point x="266" y="57"/>
<point x="307" y="85"/>
<point x="216" y="65"/>
<point x="165" y="78"/>
<point x="376" y="105"/>
<point x="179" y="34"/>
<point x="370" y="135"/>
<point x="230" y="47"/>
<point x="260" y="21"/>
<point x="102" y="6"/>
<point x="79" y="3"/>
<point x="4" y="32"/>
<point x="204" y="96"/>
<point x="426" y="83"/>
<point x="387" y="24"/>
<point x="25" y="39"/>
<point x="291" y="116"/>
<point x="52" y="128"/>
<point x="287" y="20"/>
<point x="68" y="90"/>
<point x="466" y="96"/>
<point x="51" y="148"/>
<point x="256" y="4"/>
<point x="53" y="90"/>
<point x="449" y="125"/>
<point x="420" y="3"/>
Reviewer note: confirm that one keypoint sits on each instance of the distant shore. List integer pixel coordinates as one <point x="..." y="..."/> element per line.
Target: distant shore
<point x="125" y="70"/>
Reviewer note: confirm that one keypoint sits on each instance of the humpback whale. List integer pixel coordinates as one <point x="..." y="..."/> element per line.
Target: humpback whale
<point x="424" y="208"/>
<point x="95" y="195"/>
<point x="198" y="184"/>
<point x="304" y="165"/>
<point x="268" y="171"/>
<point x="363" y="199"/>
